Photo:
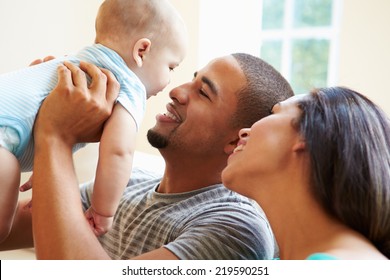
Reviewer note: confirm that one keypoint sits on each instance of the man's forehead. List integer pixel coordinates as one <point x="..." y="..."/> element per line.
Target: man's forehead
<point x="228" y="60"/>
<point x="224" y="68"/>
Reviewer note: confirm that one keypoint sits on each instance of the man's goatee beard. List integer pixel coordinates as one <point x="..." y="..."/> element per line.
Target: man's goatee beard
<point x="156" y="140"/>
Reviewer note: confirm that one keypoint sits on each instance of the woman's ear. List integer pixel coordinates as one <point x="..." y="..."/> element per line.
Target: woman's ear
<point x="300" y="146"/>
<point x="141" y="48"/>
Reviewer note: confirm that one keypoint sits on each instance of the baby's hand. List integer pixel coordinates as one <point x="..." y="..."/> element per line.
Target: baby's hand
<point x="99" y="224"/>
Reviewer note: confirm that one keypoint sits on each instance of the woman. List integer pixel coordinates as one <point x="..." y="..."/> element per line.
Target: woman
<point x="319" y="166"/>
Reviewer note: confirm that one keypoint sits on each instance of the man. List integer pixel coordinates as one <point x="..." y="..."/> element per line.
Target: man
<point x="187" y="214"/>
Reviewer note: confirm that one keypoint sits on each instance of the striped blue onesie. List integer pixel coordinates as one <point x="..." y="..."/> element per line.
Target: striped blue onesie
<point x="23" y="91"/>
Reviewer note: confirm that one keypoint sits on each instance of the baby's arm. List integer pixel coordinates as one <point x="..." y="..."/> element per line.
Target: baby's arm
<point x="116" y="151"/>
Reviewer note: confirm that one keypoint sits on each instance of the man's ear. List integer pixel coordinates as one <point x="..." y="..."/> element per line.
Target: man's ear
<point x="141" y="48"/>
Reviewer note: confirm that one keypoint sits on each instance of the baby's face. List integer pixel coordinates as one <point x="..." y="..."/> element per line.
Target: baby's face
<point x="161" y="61"/>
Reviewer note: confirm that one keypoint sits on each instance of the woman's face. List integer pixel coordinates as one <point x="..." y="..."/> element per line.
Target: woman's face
<point x="265" y="150"/>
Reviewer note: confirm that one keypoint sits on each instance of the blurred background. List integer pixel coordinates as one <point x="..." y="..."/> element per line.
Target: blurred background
<point x="313" y="43"/>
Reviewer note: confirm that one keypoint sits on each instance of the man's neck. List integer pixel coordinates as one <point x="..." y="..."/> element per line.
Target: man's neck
<point x="181" y="177"/>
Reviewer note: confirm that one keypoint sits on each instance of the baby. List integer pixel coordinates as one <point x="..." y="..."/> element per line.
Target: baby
<point x="140" y="42"/>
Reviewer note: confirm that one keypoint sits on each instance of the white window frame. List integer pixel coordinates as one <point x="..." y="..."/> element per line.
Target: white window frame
<point x="287" y="34"/>
<point x="228" y="26"/>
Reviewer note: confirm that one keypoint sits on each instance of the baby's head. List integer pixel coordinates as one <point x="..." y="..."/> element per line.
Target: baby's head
<point x="149" y="35"/>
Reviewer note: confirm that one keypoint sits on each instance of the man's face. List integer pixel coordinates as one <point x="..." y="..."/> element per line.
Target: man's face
<point x="197" y="120"/>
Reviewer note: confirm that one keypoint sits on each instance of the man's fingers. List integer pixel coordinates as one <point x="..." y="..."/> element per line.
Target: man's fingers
<point x="48" y="58"/>
<point x="112" y="87"/>
<point x="36" y="61"/>
<point x="78" y="76"/>
<point x="64" y="76"/>
<point x="98" y="78"/>
<point x="39" y="61"/>
<point x="102" y="81"/>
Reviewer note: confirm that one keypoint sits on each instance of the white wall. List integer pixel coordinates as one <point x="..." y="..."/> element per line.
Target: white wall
<point x="228" y="26"/>
<point x="33" y="29"/>
<point x="365" y="49"/>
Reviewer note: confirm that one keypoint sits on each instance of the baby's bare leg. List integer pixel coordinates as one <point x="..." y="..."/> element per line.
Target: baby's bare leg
<point x="9" y="190"/>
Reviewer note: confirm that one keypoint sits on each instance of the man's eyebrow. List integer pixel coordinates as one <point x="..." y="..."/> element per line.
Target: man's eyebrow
<point x="208" y="82"/>
<point x="211" y="85"/>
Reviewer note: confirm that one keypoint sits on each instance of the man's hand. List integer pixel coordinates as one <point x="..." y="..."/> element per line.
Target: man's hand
<point x="74" y="111"/>
<point x="39" y="60"/>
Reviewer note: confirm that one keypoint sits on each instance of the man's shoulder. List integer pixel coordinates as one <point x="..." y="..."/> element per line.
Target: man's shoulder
<point x="219" y="193"/>
<point x="218" y="200"/>
<point x="143" y="175"/>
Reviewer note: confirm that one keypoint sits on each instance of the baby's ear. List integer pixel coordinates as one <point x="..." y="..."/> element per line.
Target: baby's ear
<point x="141" y="48"/>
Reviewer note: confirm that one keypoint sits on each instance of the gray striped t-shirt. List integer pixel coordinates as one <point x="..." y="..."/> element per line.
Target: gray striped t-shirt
<point x="209" y="223"/>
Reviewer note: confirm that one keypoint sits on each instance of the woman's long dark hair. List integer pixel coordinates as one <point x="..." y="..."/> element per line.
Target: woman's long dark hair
<point x="348" y="138"/>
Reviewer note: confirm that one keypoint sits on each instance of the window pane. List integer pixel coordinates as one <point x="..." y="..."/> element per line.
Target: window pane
<point x="273" y="14"/>
<point x="309" y="13"/>
<point x="309" y="64"/>
<point x="271" y="52"/>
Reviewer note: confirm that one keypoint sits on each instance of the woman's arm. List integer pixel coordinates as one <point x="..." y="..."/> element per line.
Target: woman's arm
<point x="72" y="113"/>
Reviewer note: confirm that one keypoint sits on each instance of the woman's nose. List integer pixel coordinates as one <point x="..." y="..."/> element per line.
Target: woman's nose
<point x="244" y="132"/>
